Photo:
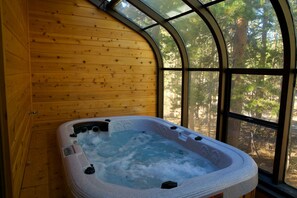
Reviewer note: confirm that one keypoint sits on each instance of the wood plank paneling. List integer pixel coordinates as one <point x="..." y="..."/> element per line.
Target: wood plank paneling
<point x="90" y="59"/>
<point x="18" y="93"/>
<point x="14" y="46"/>
<point x="88" y="41"/>
<point x="86" y="50"/>
<point x="84" y="63"/>
<point x="15" y="23"/>
<point x="64" y="19"/>
<point x="14" y="64"/>
<point x="90" y="68"/>
<point x="55" y="28"/>
<point x="54" y="8"/>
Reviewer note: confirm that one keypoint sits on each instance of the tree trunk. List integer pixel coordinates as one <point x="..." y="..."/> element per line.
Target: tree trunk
<point x="240" y="42"/>
<point x="239" y="46"/>
<point x="260" y="79"/>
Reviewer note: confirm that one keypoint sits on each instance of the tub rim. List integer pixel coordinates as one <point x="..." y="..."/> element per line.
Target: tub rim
<point x="243" y="171"/>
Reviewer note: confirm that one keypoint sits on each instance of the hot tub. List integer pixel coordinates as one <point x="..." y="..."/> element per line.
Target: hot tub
<point x="233" y="174"/>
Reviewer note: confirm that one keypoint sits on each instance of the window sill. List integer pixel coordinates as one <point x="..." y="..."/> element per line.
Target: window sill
<point x="275" y="190"/>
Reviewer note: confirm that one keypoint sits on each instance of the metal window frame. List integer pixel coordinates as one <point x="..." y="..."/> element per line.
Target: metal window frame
<point x="288" y="72"/>
<point x="182" y="50"/>
<point x="156" y="51"/>
<point x="208" y="18"/>
<point x="283" y="12"/>
<point x="217" y="33"/>
<point x="212" y="3"/>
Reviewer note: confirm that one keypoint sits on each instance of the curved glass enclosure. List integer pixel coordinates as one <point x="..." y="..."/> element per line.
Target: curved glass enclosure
<point x="227" y="70"/>
<point x="169" y="50"/>
<point x="199" y="42"/>
<point x="167" y="8"/>
<point x="252" y="33"/>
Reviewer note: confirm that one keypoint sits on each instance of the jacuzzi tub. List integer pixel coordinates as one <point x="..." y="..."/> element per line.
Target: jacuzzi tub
<point x="236" y="174"/>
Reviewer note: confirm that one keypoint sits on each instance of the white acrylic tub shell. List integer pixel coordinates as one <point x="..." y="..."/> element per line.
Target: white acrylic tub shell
<point x="237" y="174"/>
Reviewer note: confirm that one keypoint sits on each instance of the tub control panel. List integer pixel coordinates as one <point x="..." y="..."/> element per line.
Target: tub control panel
<point x="95" y="126"/>
<point x="184" y="135"/>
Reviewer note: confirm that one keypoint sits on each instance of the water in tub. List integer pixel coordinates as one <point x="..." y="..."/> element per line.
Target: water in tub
<point x="141" y="159"/>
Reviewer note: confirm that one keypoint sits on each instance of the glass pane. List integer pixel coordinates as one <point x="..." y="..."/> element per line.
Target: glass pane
<point x="252" y="33"/>
<point x="167" y="8"/>
<point x="257" y="141"/>
<point x="168" y="47"/>
<point x="133" y="14"/>
<point x="256" y="96"/>
<point x="203" y="102"/>
<point x="172" y="96"/>
<point x="199" y="41"/>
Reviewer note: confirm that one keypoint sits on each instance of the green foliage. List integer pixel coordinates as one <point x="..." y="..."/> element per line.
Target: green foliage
<point x="257" y="95"/>
<point x="132" y="13"/>
<point x="170" y="53"/>
<point x="167" y="8"/>
<point x="199" y="41"/>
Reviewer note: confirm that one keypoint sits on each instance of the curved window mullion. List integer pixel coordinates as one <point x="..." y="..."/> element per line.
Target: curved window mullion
<point x="214" y="28"/>
<point x="185" y="60"/>
<point x="156" y="51"/>
<point x="168" y="8"/>
<point x="223" y="58"/>
<point x="152" y="14"/>
<point x="171" y="60"/>
<point x="133" y="13"/>
<point x="282" y="10"/>
<point x="136" y="28"/>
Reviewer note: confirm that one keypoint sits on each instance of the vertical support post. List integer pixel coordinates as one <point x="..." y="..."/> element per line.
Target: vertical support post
<point x="282" y="9"/>
<point x="223" y="59"/>
<point x="183" y="52"/>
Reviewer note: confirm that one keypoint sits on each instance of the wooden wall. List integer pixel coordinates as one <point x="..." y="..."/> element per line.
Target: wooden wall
<point x="17" y="78"/>
<point x="86" y="64"/>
